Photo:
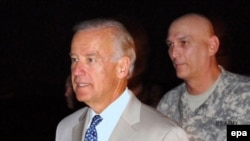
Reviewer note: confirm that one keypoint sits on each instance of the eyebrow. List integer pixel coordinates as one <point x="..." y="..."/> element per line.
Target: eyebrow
<point x="181" y="38"/>
<point x="89" y="53"/>
<point x="185" y="37"/>
<point x="167" y="41"/>
<point x="70" y="54"/>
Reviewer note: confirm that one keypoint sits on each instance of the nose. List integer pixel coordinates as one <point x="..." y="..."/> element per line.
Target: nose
<point x="78" y="68"/>
<point x="173" y="52"/>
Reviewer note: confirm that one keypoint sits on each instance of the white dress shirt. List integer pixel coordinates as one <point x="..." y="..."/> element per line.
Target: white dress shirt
<point x="110" y="116"/>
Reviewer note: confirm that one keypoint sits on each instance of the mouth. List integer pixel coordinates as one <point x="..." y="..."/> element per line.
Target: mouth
<point x="177" y="65"/>
<point x="82" y="84"/>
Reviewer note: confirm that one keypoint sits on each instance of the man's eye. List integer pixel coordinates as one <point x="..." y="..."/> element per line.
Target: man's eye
<point x="74" y="60"/>
<point x="184" y="43"/>
<point x="170" y="44"/>
<point x="90" y="60"/>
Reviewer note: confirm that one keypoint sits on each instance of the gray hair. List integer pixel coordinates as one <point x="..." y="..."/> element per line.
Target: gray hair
<point x="123" y="42"/>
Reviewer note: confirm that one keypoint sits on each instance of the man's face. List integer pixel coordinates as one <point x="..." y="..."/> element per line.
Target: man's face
<point x="92" y="69"/>
<point x="188" y="49"/>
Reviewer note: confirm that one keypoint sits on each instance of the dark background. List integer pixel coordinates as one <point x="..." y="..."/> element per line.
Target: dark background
<point x="35" y="39"/>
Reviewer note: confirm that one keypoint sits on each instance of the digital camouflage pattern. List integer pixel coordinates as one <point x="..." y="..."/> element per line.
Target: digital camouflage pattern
<point x="229" y="104"/>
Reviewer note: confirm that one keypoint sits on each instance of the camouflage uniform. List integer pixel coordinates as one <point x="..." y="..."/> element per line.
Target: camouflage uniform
<point x="228" y="104"/>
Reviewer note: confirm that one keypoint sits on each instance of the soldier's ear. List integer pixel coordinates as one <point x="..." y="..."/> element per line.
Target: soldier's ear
<point x="214" y="45"/>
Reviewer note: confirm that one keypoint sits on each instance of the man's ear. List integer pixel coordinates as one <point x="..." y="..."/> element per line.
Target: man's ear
<point x="214" y="45"/>
<point x="123" y="67"/>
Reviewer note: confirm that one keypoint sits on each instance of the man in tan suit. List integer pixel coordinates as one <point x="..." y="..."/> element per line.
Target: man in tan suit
<point x="103" y="56"/>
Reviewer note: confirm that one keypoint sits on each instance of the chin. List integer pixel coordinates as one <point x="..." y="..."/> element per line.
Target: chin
<point x="82" y="97"/>
<point x="180" y="75"/>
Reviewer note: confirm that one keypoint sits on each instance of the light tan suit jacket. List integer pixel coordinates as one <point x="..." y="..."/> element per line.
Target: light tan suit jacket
<point x="138" y="122"/>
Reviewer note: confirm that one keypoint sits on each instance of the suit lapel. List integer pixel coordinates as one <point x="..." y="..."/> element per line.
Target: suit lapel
<point x="79" y="129"/>
<point x="126" y="126"/>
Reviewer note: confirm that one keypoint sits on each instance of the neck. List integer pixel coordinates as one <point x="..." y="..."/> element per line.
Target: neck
<point x="105" y="101"/>
<point x="202" y="83"/>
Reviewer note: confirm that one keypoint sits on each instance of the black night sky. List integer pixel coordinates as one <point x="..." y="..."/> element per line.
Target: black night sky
<point x="35" y="40"/>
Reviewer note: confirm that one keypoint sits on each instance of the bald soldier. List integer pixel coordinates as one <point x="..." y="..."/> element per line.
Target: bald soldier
<point x="210" y="98"/>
